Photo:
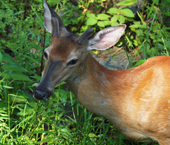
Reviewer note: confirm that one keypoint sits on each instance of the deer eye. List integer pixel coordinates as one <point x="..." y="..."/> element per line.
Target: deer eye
<point x="72" y="62"/>
<point x="45" y="55"/>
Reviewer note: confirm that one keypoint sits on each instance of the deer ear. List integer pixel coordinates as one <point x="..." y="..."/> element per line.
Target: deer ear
<point x="47" y="17"/>
<point x="106" y="38"/>
<point x="50" y="22"/>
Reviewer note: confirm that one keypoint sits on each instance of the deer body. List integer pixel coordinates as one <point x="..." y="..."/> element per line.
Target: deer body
<point x="130" y="98"/>
<point x="137" y="100"/>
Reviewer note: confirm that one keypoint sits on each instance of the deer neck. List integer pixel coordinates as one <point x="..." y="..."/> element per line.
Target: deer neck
<point x="97" y="88"/>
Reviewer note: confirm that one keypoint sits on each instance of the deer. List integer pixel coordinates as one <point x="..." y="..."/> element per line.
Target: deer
<point x="136" y="100"/>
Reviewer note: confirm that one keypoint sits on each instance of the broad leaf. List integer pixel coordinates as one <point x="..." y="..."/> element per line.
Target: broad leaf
<point x="54" y="2"/>
<point x="11" y="45"/>
<point x="138" y="26"/>
<point x="166" y="13"/>
<point x="121" y="19"/>
<point x="17" y="98"/>
<point x="103" y="23"/>
<point x="7" y="58"/>
<point x="7" y="87"/>
<point x="13" y="67"/>
<point x="113" y="11"/>
<point x="91" y="21"/>
<point x="114" y="24"/>
<point x="37" y="77"/>
<point x="140" y="62"/>
<point x="90" y="15"/>
<point x="20" y="76"/>
<point x="100" y="24"/>
<point x="126" y="3"/>
<point x="102" y="16"/>
<point x="114" y="19"/>
<point x="26" y="111"/>
<point x="127" y="12"/>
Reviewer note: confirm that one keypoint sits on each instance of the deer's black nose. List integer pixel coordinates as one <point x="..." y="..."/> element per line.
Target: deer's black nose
<point x="40" y="94"/>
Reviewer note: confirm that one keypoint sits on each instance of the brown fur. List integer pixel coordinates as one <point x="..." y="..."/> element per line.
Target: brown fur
<point x="136" y="100"/>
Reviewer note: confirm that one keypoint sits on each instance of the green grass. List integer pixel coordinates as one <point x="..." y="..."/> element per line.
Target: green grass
<point x="57" y="121"/>
<point x="61" y="119"/>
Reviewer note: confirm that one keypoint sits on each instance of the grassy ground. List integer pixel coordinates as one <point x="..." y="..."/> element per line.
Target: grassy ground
<point x="61" y="119"/>
<point x="58" y="122"/>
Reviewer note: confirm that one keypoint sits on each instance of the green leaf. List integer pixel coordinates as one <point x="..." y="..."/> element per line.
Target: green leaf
<point x="153" y="51"/>
<point x="100" y="24"/>
<point x="21" y="77"/>
<point x="32" y="104"/>
<point x="6" y="75"/>
<point x="90" y="15"/>
<point x="91" y="21"/>
<point x="160" y="47"/>
<point x="1" y="56"/>
<point x="17" y="98"/>
<point x="34" y="85"/>
<point x="103" y="23"/>
<point x="147" y="46"/>
<point x="114" y="19"/>
<point x="140" y="62"/>
<point x="106" y="22"/>
<point x="36" y="77"/>
<point x="4" y="107"/>
<point x="62" y="83"/>
<point x="114" y="24"/>
<point x="166" y="13"/>
<point x="127" y="12"/>
<point x="7" y="58"/>
<point x="102" y="16"/>
<point x="73" y="29"/>
<point x="17" y="13"/>
<point x="7" y="87"/>
<point x="11" y="45"/>
<point x="26" y="111"/>
<point x="13" y="67"/>
<point x="113" y="11"/>
<point x="63" y="95"/>
<point x="3" y="13"/>
<point x="121" y="19"/>
<point x="54" y="2"/>
<point x="84" y="28"/>
<point x="138" y="26"/>
<point x="126" y="3"/>
<point x="49" y="139"/>
<point x="32" y="59"/>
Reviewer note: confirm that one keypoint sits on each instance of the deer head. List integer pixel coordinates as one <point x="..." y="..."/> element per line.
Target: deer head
<point x="68" y="51"/>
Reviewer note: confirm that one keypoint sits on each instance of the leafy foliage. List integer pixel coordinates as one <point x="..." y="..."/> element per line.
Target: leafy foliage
<point x="25" y="121"/>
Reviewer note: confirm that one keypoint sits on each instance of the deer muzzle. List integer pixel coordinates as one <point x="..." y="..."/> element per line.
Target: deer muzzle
<point x="41" y="93"/>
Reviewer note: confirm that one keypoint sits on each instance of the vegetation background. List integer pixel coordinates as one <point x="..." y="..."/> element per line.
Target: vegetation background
<point x="62" y="119"/>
